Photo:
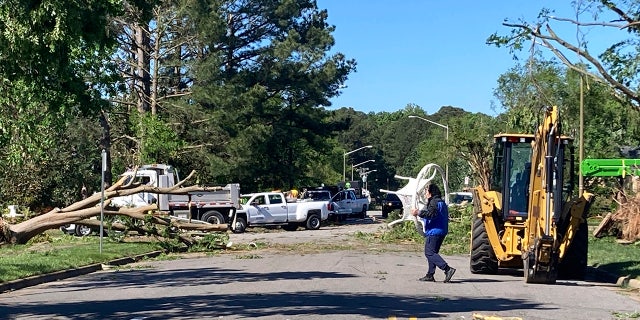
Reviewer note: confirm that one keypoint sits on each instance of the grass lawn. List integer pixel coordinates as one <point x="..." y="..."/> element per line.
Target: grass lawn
<point x="619" y="259"/>
<point x="55" y="251"/>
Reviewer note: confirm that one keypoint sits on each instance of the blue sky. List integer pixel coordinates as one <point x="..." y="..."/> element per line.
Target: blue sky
<point x="426" y="52"/>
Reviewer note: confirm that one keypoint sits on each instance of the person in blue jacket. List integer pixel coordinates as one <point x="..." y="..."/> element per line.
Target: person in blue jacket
<point x="435" y="216"/>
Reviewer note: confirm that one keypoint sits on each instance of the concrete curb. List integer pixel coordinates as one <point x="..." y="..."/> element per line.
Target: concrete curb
<point x="624" y="282"/>
<point x="64" y="274"/>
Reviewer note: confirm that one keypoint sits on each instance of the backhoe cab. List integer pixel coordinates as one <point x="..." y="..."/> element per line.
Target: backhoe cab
<point x="526" y="219"/>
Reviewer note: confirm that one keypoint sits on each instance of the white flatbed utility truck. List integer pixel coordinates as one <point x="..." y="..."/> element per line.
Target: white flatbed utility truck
<point x="215" y="206"/>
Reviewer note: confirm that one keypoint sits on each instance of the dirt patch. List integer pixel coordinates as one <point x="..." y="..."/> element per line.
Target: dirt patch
<point x="362" y="235"/>
<point x="332" y="232"/>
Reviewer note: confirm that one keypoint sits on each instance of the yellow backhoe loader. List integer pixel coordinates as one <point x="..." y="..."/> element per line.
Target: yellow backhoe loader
<point x="528" y="218"/>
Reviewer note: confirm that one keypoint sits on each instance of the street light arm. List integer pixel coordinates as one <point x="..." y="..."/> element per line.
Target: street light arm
<point x="356" y="150"/>
<point x="361" y="163"/>
<point x="432" y="122"/>
<point x="344" y="160"/>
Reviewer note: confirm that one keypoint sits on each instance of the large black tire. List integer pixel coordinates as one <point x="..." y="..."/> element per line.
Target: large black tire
<point x="240" y="225"/>
<point x="385" y="214"/>
<point x="574" y="263"/>
<point x="213" y="217"/>
<point x="313" y="222"/>
<point x="483" y="259"/>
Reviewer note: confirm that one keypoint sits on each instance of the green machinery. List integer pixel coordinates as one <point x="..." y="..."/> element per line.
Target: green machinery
<point x="610" y="167"/>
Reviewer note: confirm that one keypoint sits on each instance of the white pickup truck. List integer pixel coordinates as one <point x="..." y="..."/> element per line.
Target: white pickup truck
<point x="272" y="208"/>
<point x="345" y="203"/>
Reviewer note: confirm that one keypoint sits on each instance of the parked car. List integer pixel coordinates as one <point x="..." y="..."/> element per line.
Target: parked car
<point x="389" y="203"/>
<point x="460" y="198"/>
<point x="83" y="230"/>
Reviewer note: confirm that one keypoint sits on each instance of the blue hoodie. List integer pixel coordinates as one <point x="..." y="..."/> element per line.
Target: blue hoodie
<point x="435" y="216"/>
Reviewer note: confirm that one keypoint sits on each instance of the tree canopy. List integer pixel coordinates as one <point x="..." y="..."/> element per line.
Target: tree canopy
<point x="240" y="92"/>
<point x="616" y="66"/>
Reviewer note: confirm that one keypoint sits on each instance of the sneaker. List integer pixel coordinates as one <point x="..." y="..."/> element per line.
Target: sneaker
<point x="428" y="277"/>
<point x="448" y="274"/>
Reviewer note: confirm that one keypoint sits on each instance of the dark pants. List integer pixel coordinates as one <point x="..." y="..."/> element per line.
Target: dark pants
<point x="431" y="248"/>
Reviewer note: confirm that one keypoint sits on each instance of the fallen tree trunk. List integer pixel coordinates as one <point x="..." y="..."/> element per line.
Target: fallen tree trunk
<point x="81" y="212"/>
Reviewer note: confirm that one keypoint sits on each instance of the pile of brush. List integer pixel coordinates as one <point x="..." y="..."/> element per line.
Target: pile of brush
<point x="624" y="223"/>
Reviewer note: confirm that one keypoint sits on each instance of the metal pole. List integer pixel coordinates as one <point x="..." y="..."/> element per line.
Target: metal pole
<point x="446" y="170"/>
<point x="581" y="147"/>
<point x="344" y="167"/>
<point x="104" y="168"/>
<point x="446" y="174"/>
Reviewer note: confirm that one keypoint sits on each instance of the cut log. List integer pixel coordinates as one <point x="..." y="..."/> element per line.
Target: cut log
<point x="602" y="226"/>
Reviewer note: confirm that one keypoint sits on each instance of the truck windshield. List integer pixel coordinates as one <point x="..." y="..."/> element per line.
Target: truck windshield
<point x="138" y="179"/>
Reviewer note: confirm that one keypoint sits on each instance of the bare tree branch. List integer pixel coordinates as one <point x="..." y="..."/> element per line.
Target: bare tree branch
<point x="603" y="76"/>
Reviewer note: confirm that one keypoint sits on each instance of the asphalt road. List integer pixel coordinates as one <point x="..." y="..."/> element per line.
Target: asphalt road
<point x="362" y="284"/>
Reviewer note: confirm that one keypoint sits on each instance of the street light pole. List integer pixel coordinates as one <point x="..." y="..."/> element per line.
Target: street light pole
<point x="366" y="180"/>
<point x="344" y="161"/>
<point x="359" y="164"/>
<point x="446" y="170"/>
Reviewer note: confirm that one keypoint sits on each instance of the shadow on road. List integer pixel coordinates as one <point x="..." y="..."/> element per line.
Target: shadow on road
<point x="307" y="304"/>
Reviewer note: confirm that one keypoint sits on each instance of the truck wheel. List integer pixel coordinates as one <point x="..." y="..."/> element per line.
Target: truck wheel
<point x="574" y="263"/>
<point x="290" y="227"/>
<point x="363" y="214"/>
<point x="313" y="222"/>
<point x="213" y="217"/>
<point x="240" y="226"/>
<point x="82" y="231"/>
<point x="483" y="259"/>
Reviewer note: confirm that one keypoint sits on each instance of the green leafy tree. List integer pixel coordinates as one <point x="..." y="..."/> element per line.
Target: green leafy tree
<point x="51" y="75"/>
<point x="266" y="82"/>
<point x="472" y="138"/>
<point x="523" y="90"/>
<point x="242" y="83"/>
